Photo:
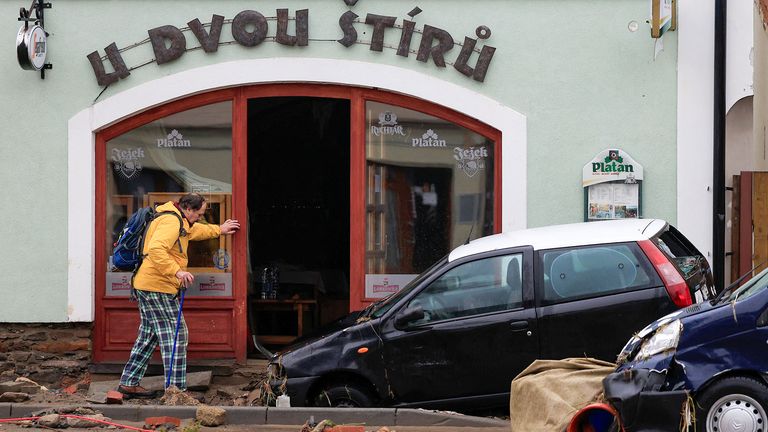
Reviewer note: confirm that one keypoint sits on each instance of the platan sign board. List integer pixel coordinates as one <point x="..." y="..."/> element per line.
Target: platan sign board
<point x="611" y="165"/>
<point x="612" y="186"/>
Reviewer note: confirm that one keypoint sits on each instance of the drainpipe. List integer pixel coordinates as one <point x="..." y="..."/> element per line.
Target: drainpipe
<point x="718" y="160"/>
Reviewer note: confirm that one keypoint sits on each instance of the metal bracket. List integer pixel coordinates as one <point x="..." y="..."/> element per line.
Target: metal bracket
<point x="38" y="7"/>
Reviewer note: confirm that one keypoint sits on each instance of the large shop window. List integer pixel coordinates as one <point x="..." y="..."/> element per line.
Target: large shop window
<point x="190" y="151"/>
<point x="429" y="188"/>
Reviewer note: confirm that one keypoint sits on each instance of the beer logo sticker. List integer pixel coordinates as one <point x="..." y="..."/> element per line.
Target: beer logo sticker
<point x="388" y="125"/>
<point x="174" y="139"/>
<point x="428" y="139"/>
<point x="221" y="259"/>
<point x="470" y="160"/>
<point x="386" y="287"/>
<point x="127" y="162"/>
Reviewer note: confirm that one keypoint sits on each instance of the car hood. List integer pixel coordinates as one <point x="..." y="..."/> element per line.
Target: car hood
<point x="681" y="314"/>
<point x="323" y="332"/>
<point x="650" y="329"/>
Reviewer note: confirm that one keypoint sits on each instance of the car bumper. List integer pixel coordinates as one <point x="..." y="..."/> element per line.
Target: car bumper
<point x="296" y="388"/>
<point x="641" y="406"/>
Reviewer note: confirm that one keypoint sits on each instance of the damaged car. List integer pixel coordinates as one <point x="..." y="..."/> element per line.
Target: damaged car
<point x="713" y="352"/>
<point x="459" y="333"/>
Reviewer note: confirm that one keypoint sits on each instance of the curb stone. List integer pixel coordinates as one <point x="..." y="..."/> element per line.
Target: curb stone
<point x="275" y="416"/>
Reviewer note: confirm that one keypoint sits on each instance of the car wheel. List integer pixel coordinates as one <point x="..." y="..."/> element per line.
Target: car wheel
<point x="343" y="396"/>
<point x="733" y="404"/>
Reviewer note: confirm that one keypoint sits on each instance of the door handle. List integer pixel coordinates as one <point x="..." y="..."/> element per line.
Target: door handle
<point x="519" y="325"/>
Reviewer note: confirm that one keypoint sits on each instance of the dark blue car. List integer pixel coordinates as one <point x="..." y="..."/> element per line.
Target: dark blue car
<point x="715" y="352"/>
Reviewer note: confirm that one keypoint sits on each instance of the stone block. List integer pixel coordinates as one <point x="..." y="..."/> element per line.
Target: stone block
<point x="5" y="410"/>
<point x="49" y="421"/>
<point x="372" y="416"/>
<point x="13" y="397"/>
<point x="121" y="412"/>
<point x="347" y="428"/>
<point x="63" y="364"/>
<point x="114" y="397"/>
<point x="196" y="381"/>
<point x="63" y="346"/>
<point x="210" y="416"/>
<point x="419" y="417"/>
<point x="19" y="387"/>
<point x="247" y="415"/>
<point x="156" y="422"/>
<point x="86" y="421"/>
<point x="182" y="412"/>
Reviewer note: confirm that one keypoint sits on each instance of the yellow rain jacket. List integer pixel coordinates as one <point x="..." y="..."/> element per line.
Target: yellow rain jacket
<point x="162" y="256"/>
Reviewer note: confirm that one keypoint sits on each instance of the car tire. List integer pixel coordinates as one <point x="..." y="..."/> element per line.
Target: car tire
<point x="343" y="396"/>
<point x="733" y="404"/>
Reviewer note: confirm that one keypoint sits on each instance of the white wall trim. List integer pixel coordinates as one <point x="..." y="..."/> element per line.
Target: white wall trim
<point x="695" y="121"/>
<point x="82" y="128"/>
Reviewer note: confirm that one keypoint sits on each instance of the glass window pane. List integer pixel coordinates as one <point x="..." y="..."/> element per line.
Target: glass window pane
<point x="429" y="188"/>
<point x="478" y="287"/>
<point x="571" y="274"/>
<point x="190" y="151"/>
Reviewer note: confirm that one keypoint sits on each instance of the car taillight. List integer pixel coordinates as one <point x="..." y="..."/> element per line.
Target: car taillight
<point x="676" y="287"/>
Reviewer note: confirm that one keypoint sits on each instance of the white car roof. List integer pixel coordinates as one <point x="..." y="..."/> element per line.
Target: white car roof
<point x="557" y="236"/>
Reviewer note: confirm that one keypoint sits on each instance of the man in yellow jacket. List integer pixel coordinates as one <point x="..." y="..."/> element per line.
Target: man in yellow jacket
<point x="157" y="283"/>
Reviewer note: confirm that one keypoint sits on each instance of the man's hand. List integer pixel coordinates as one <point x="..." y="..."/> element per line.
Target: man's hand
<point x="185" y="278"/>
<point x="230" y="226"/>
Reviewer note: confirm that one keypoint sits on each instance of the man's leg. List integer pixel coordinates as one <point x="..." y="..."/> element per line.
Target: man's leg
<point x="164" y="318"/>
<point x="145" y="344"/>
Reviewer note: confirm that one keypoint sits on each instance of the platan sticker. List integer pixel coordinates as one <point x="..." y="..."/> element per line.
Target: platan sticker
<point x="385" y="287"/>
<point x="127" y="162"/>
<point x="388" y="125"/>
<point x="174" y="139"/>
<point x="470" y="160"/>
<point x="429" y="139"/>
<point x="221" y="259"/>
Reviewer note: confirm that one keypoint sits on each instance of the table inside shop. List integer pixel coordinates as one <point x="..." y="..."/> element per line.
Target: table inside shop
<point x="303" y="288"/>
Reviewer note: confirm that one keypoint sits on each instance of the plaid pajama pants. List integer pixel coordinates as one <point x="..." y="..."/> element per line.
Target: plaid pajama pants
<point x="158" y="326"/>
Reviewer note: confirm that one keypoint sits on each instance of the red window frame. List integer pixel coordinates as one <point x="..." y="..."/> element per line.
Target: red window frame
<point x="239" y="97"/>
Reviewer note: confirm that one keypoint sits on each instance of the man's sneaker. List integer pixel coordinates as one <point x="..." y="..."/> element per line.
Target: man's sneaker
<point x="136" y="391"/>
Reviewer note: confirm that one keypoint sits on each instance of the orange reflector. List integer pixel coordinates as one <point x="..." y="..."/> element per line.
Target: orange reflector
<point x="362" y="350"/>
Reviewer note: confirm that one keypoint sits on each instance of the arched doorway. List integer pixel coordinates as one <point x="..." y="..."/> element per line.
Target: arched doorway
<point x="420" y="179"/>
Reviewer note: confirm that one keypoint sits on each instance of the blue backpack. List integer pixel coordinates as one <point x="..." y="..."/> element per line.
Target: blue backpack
<point x="127" y="254"/>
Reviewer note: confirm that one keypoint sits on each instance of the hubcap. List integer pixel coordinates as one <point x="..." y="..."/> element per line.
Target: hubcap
<point x="736" y="413"/>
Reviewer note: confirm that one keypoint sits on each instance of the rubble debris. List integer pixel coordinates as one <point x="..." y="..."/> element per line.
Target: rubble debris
<point x="19" y="386"/>
<point x="13" y="397"/>
<point x="86" y="421"/>
<point x="114" y="397"/>
<point x="210" y="416"/>
<point x="175" y="397"/>
<point x="49" y="420"/>
<point x="165" y="422"/>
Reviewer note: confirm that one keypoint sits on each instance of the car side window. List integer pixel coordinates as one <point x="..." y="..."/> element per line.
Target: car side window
<point x="571" y="274"/>
<point x="487" y="285"/>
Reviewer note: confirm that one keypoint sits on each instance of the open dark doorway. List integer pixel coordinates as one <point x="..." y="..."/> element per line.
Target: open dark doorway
<point x="298" y="206"/>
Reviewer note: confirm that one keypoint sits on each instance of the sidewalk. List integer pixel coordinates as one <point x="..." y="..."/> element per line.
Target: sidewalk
<point x="287" y="419"/>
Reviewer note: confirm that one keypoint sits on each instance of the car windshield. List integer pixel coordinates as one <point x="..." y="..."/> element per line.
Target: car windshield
<point x="382" y="306"/>
<point x="750" y="288"/>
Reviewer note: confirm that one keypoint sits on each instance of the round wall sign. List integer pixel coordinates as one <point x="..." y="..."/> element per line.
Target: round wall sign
<point x="31" y="47"/>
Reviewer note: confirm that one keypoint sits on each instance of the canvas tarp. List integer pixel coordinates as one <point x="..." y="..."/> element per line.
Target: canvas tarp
<point x="545" y="396"/>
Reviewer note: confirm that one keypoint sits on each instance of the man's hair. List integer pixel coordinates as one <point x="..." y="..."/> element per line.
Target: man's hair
<point x="191" y="201"/>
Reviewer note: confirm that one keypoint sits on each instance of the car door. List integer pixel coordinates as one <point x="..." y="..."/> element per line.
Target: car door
<point x="477" y="333"/>
<point x="592" y="299"/>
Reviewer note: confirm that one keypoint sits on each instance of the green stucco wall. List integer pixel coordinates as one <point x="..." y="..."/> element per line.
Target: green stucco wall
<point x="582" y="78"/>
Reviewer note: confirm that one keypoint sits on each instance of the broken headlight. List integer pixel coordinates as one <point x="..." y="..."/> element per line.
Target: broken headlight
<point x="664" y="339"/>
